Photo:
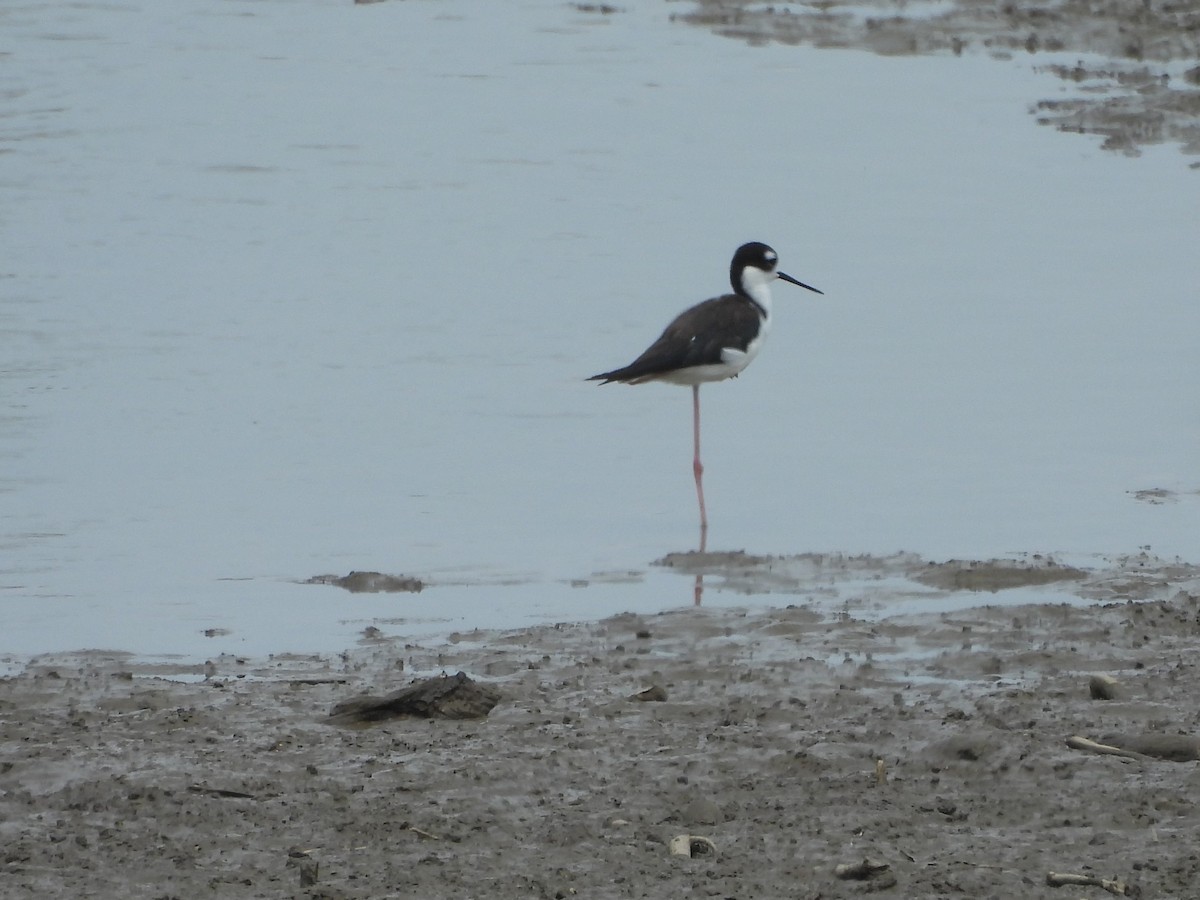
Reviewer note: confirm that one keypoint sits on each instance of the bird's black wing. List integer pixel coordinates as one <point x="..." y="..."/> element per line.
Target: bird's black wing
<point x="695" y="338"/>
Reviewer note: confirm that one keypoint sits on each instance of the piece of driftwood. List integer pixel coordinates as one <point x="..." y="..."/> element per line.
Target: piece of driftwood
<point x="1112" y="885"/>
<point x="1171" y="747"/>
<point x="444" y="697"/>
<point x="1075" y="742"/>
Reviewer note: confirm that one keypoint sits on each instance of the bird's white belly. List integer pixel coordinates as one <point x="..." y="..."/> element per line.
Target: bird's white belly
<point x="732" y="362"/>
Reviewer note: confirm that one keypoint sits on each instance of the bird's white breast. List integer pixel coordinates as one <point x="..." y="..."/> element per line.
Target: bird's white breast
<point x="732" y="361"/>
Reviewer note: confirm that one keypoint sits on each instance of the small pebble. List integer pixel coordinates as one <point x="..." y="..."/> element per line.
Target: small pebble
<point x="1103" y="687"/>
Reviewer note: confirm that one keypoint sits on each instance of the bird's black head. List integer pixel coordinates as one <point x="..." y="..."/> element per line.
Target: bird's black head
<point x="755" y="254"/>
<point x="758" y="256"/>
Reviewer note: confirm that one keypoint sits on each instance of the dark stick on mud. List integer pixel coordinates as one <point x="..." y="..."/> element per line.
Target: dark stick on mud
<point x="220" y="792"/>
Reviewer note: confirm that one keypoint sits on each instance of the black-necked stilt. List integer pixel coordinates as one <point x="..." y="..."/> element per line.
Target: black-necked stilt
<point x="713" y="340"/>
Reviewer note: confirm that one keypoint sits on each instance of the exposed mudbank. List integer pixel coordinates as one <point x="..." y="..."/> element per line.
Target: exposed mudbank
<point x="1141" y="86"/>
<point x="875" y="579"/>
<point x="965" y="753"/>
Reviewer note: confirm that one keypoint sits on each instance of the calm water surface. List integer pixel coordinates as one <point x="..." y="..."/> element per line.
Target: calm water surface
<point x="296" y="288"/>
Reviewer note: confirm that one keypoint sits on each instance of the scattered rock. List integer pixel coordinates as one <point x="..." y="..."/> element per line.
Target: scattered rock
<point x="1104" y="687"/>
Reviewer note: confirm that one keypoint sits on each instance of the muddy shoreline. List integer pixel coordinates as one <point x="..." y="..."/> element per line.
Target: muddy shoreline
<point x="1131" y="71"/>
<point x="794" y="740"/>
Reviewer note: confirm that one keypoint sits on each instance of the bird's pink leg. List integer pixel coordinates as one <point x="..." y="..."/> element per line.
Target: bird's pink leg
<point x="697" y="467"/>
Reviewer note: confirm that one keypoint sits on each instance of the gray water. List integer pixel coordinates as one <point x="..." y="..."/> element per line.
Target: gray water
<point x="301" y="287"/>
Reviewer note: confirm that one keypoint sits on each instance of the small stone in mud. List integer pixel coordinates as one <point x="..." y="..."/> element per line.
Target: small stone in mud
<point x="1103" y="687"/>
<point x="654" y="694"/>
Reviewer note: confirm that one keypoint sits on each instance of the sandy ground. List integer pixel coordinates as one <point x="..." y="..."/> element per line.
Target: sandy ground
<point x="795" y="740"/>
<point x="1135" y="81"/>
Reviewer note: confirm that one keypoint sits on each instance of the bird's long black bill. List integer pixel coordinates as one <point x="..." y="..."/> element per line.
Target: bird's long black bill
<point x="789" y="278"/>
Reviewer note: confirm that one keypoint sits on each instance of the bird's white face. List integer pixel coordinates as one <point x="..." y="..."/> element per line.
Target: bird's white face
<point x="756" y="282"/>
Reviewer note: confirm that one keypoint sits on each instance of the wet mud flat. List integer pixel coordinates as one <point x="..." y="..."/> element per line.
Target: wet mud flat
<point x="1133" y="78"/>
<point x="783" y="742"/>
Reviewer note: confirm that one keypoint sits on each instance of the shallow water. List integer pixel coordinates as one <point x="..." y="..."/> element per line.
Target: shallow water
<point x="295" y="288"/>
